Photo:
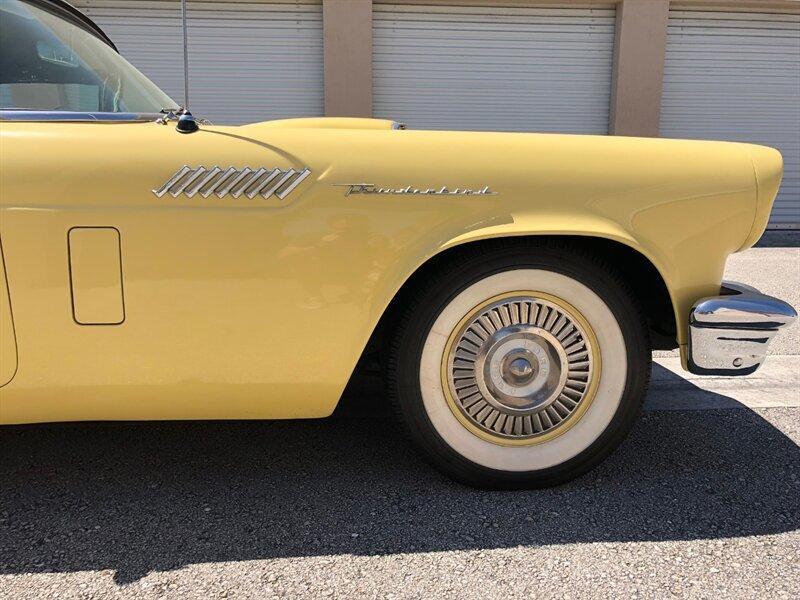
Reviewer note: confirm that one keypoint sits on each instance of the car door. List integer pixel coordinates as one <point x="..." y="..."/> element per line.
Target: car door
<point x="135" y="294"/>
<point x="140" y="292"/>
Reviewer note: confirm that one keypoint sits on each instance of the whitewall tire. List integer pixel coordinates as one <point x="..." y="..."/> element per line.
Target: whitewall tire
<point x="520" y="370"/>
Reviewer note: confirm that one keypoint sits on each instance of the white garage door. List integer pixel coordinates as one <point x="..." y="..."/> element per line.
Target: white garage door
<point x="493" y="68"/>
<point x="248" y="61"/>
<point x="736" y="76"/>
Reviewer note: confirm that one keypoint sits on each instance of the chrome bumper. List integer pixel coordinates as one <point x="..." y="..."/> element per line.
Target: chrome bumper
<point x="729" y="334"/>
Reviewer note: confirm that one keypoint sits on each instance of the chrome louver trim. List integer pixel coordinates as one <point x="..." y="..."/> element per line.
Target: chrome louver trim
<point x="259" y="187"/>
<point x="232" y="182"/>
<point x="242" y="181"/>
<point x="195" y="187"/>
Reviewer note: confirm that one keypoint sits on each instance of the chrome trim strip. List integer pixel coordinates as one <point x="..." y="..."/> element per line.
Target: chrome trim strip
<point x="242" y="182"/>
<point x="264" y="182"/>
<point x="66" y="116"/>
<point x="297" y="181"/>
<point x="233" y="181"/>
<point x="223" y="180"/>
<point x="729" y="334"/>
<point x="268" y="192"/>
<point x="193" y="189"/>
<point x="177" y="191"/>
<point x="226" y="174"/>
<point x="253" y="181"/>
<point x="172" y="180"/>
<point x="229" y="183"/>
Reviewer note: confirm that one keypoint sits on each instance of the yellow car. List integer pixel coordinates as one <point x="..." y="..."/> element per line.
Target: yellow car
<point x="513" y="286"/>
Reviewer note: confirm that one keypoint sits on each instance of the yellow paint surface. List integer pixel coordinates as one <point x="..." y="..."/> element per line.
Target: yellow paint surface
<point x="239" y="308"/>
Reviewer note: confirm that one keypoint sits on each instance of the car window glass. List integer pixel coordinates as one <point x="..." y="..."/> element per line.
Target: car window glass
<point x="49" y="63"/>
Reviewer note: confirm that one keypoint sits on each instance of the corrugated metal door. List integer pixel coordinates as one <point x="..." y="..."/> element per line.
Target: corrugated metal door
<point x="736" y="76"/>
<point x="248" y="61"/>
<point x="493" y="68"/>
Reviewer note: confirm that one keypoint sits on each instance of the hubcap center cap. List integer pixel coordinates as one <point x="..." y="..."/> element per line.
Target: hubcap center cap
<point x="519" y="370"/>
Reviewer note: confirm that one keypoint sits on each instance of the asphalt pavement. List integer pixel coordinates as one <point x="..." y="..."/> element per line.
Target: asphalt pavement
<point x="702" y="501"/>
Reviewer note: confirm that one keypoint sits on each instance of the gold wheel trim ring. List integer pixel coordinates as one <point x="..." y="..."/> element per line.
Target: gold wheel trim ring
<point x="560" y="316"/>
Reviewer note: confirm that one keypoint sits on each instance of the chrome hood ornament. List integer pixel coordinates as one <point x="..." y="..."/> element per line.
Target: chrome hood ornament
<point x="371" y="188"/>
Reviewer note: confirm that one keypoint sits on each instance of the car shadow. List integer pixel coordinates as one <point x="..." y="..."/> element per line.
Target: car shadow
<point x="779" y="238"/>
<point x="146" y="497"/>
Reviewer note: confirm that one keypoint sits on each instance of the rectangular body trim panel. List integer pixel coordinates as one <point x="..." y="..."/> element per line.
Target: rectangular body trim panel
<point x="95" y="266"/>
<point x="8" y="341"/>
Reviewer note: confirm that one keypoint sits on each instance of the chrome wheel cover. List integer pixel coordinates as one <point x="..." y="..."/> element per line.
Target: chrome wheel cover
<point x="520" y="368"/>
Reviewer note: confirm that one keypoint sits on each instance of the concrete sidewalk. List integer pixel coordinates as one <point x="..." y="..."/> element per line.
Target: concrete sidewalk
<point x="775" y="385"/>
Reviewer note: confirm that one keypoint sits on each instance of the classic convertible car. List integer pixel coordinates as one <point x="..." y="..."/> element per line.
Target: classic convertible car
<point x="512" y="286"/>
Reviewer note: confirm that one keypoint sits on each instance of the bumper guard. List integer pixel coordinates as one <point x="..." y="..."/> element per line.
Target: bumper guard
<point x="729" y="334"/>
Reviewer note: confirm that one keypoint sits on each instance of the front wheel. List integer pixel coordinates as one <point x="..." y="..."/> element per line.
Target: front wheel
<point x="520" y="371"/>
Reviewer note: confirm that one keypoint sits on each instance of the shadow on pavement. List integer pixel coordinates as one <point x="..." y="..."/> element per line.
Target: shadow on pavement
<point x="156" y="496"/>
<point x="779" y="238"/>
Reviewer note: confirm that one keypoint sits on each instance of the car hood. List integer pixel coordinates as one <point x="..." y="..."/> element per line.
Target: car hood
<point x="326" y="123"/>
<point x="605" y="174"/>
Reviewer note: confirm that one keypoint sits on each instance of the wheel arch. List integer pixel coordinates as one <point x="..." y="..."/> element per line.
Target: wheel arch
<point x="623" y="254"/>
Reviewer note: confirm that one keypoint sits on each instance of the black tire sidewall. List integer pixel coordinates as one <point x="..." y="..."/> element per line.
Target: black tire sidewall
<point x="442" y="287"/>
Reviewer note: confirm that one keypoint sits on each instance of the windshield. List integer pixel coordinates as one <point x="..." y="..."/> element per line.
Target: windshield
<point x="48" y="63"/>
